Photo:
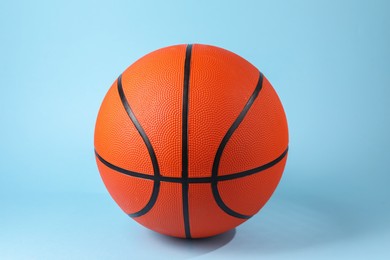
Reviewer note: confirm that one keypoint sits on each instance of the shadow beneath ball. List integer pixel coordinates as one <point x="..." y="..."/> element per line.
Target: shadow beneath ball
<point x="194" y="247"/>
<point x="292" y="220"/>
<point x="298" y="220"/>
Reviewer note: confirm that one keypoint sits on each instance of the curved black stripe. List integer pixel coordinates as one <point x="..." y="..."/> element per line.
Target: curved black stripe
<point x="137" y="125"/>
<point x="193" y="179"/>
<point x="184" y="145"/>
<point x="124" y="171"/>
<point x="254" y="170"/>
<point x="217" y="158"/>
<point x="152" y="154"/>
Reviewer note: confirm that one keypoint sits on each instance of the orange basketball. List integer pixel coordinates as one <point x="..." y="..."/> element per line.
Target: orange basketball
<point x="191" y="140"/>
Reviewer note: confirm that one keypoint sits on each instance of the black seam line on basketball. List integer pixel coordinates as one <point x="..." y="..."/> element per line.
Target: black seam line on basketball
<point x="193" y="179"/>
<point x="225" y="140"/>
<point x="152" y="154"/>
<point x="184" y="144"/>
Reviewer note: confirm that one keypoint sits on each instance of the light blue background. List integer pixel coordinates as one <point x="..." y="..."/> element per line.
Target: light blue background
<point x="328" y="60"/>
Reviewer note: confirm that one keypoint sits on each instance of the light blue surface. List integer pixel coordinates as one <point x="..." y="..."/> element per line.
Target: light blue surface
<point x="328" y="60"/>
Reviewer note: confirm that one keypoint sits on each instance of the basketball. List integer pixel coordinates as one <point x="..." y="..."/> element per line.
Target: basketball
<point x="191" y="140"/>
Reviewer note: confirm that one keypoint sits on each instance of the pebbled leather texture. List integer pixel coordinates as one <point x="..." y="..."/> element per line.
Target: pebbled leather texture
<point x="220" y="86"/>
